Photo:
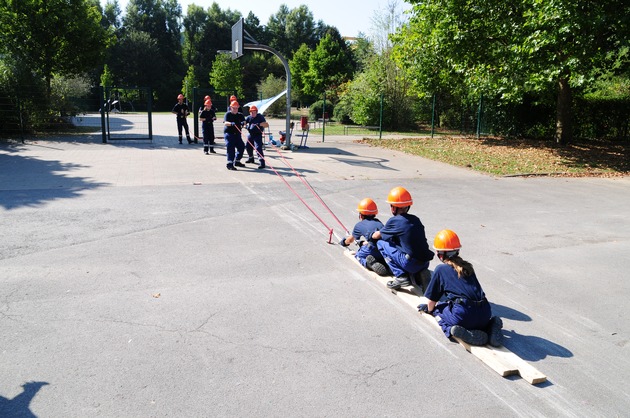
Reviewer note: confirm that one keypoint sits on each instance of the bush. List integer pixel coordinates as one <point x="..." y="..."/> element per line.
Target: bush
<point x="316" y="110"/>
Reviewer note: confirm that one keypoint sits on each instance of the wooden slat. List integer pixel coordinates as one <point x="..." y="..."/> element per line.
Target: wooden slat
<point x="499" y="359"/>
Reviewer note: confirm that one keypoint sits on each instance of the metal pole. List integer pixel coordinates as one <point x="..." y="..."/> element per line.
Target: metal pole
<point x="288" y="72"/>
<point x="433" y="117"/>
<point x="324" y="119"/>
<point x="479" y="113"/>
<point x="195" y="116"/>
<point x="101" y="99"/>
<point x="380" y="123"/>
<point x="150" y="105"/>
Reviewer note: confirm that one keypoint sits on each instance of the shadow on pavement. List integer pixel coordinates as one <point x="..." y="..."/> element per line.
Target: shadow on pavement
<point x="19" y="406"/>
<point x="28" y="181"/>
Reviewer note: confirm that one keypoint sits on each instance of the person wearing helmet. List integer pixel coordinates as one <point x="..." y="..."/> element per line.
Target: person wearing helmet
<point x="182" y="111"/>
<point x="207" y="117"/>
<point x="232" y="99"/>
<point x="403" y="243"/>
<point x="464" y="311"/>
<point x="368" y="255"/>
<point x="256" y="125"/>
<point x="233" y="122"/>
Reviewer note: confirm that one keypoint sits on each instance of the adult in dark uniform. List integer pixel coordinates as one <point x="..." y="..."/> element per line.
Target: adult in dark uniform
<point x="207" y="117"/>
<point x="256" y="125"/>
<point x="403" y="244"/>
<point x="368" y="255"/>
<point x="233" y="124"/>
<point x="456" y="298"/>
<point x="182" y="111"/>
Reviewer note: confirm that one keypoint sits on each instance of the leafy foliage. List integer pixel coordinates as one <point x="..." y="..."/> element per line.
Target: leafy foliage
<point x="31" y="33"/>
<point x="227" y="75"/>
<point x="510" y="49"/>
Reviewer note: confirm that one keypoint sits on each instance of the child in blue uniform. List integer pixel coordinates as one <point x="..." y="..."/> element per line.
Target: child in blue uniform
<point x="182" y="111"/>
<point x="233" y="123"/>
<point x="367" y="254"/>
<point x="207" y="116"/>
<point x="256" y="125"/>
<point x="464" y="311"/>
<point x="403" y="244"/>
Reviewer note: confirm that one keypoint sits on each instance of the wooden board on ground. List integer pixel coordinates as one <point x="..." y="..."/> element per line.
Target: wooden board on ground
<point x="499" y="359"/>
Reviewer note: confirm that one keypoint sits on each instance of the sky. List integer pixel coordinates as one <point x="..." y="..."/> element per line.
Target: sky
<point x="349" y="16"/>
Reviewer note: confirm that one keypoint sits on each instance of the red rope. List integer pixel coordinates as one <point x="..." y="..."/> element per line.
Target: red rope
<point x="330" y="230"/>
<point x="307" y="184"/>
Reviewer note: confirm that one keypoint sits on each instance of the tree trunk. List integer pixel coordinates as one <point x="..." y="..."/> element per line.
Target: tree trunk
<point x="564" y="113"/>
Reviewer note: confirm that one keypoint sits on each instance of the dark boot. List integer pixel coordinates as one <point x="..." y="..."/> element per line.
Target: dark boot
<point x="250" y="160"/>
<point x="212" y="151"/>
<point x="180" y="139"/>
<point x="205" y="150"/>
<point x="472" y="337"/>
<point x="376" y="266"/>
<point x="230" y="166"/>
<point x="495" y="336"/>
<point x="239" y="164"/>
<point x="398" y="282"/>
<point x="189" y="140"/>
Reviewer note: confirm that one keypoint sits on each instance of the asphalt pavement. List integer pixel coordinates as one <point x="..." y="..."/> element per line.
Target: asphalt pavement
<point x="143" y="279"/>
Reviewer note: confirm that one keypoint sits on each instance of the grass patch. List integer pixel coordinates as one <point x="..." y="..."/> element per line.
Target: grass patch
<point x="511" y="157"/>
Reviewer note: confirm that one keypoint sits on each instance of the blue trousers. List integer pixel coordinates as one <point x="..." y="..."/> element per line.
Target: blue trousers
<point x="469" y="317"/>
<point x="397" y="260"/>
<point x="366" y="250"/>
<point x="257" y="143"/>
<point x="234" y="147"/>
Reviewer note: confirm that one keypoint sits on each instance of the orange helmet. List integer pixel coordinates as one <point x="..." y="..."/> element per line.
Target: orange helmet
<point x="367" y="207"/>
<point x="399" y="197"/>
<point x="207" y="103"/>
<point x="235" y="104"/>
<point x="180" y="97"/>
<point x="253" y="108"/>
<point x="232" y="98"/>
<point x="206" y="98"/>
<point x="446" y="240"/>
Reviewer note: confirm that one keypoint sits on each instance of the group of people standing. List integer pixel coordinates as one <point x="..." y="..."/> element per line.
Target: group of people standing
<point x="399" y="248"/>
<point x="233" y="123"/>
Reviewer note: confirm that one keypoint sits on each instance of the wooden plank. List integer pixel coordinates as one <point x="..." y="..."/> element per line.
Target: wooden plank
<point x="500" y="359"/>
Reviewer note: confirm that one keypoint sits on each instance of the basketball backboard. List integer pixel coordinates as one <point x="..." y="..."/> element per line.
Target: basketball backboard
<point x="237" y="39"/>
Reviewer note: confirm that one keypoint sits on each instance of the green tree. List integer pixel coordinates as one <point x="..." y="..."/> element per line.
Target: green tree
<point x="189" y="82"/>
<point x="160" y="20"/>
<point x="107" y="78"/>
<point x="299" y="66"/>
<point x="137" y="61"/>
<point x="329" y="66"/>
<point x="63" y="37"/>
<point x="227" y="75"/>
<point x="511" y="49"/>
<point x="270" y="87"/>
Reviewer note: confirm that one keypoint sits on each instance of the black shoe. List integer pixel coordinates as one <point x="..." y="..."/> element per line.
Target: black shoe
<point x="212" y="151"/>
<point x="260" y="167"/>
<point x="472" y="337"/>
<point x="398" y="282"/>
<point x="495" y="336"/>
<point x="421" y="279"/>
<point x="239" y="164"/>
<point x="206" y="152"/>
<point x="195" y="141"/>
<point x="376" y="266"/>
<point x="231" y="167"/>
<point x="180" y="142"/>
<point x="189" y="140"/>
<point x="250" y="160"/>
